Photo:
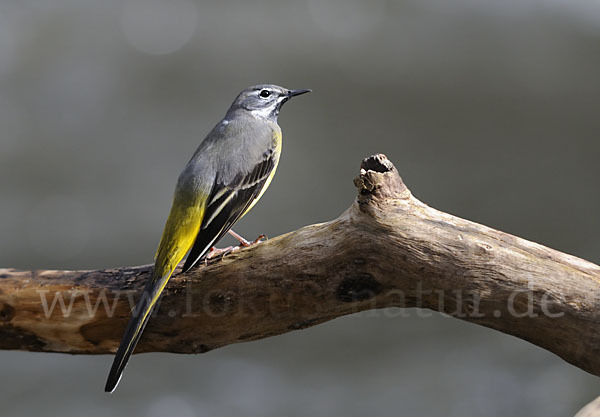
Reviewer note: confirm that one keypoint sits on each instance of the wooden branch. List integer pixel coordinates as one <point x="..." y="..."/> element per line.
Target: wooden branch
<point x="590" y="410"/>
<point x="387" y="250"/>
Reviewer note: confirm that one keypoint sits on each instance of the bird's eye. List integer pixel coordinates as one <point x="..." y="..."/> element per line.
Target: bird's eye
<point x="265" y="93"/>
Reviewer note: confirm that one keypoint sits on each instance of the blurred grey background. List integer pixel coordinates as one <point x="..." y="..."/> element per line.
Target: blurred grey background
<point x="489" y="109"/>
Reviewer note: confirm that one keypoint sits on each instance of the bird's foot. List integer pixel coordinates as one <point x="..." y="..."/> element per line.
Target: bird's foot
<point x="256" y="241"/>
<point x="245" y="243"/>
<point x="214" y="253"/>
<point x="219" y="253"/>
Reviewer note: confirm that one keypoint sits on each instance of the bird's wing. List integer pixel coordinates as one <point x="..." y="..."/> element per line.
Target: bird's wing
<point x="180" y="231"/>
<point x="229" y="201"/>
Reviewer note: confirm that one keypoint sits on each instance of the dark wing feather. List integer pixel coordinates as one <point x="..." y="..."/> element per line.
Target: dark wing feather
<point x="226" y="204"/>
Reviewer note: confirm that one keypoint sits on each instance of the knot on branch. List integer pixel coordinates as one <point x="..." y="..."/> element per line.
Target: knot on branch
<point x="7" y="312"/>
<point x="379" y="180"/>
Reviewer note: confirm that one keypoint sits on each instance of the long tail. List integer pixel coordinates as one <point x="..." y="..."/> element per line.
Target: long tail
<point x="135" y="327"/>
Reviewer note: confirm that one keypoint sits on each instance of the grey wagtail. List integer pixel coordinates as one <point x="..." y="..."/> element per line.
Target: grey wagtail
<point x="227" y="175"/>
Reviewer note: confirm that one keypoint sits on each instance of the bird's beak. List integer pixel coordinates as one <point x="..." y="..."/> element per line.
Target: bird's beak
<point x="294" y="93"/>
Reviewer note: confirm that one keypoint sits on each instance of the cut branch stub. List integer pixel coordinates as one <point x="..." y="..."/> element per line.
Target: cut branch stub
<point x="379" y="180"/>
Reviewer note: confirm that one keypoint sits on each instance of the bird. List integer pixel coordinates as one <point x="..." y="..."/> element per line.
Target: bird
<point x="226" y="176"/>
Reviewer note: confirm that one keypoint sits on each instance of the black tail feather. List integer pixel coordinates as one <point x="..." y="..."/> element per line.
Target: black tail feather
<point x="134" y="330"/>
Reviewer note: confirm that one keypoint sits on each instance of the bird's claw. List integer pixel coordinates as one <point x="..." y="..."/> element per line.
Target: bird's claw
<point x="220" y="253"/>
<point x="217" y="252"/>
<point x="260" y="238"/>
<point x="245" y="243"/>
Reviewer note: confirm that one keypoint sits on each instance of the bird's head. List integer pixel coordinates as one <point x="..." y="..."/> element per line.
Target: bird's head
<point x="264" y="101"/>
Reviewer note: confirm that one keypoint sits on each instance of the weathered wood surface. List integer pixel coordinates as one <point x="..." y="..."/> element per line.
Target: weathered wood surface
<point x="590" y="410"/>
<point x="387" y="250"/>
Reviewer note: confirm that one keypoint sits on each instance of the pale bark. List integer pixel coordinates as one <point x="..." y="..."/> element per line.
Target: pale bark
<point x="590" y="410"/>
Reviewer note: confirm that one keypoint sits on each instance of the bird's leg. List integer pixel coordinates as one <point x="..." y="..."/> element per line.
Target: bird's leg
<point x="215" y="252"/>
<point x="239" y="238"/>
<point x="243" y="242"/>
<point x="218" y="252"/>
